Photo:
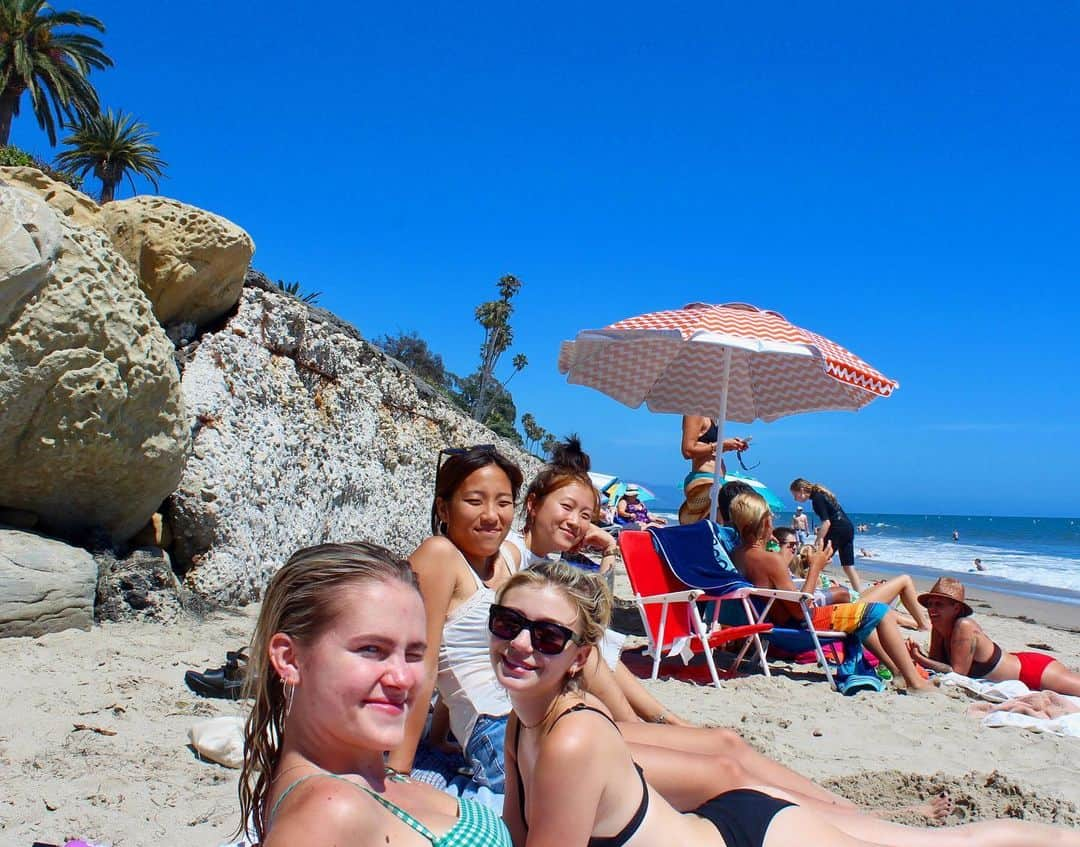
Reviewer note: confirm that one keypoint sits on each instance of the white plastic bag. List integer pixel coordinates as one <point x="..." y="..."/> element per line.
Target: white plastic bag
<point x="220" y="739"/>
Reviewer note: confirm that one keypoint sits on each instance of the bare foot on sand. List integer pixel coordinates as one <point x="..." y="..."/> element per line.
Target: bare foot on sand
<point x="934" y="810"/>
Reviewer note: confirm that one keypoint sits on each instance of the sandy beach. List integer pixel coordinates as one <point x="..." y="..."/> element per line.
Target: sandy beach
<point x="94" y="739"/>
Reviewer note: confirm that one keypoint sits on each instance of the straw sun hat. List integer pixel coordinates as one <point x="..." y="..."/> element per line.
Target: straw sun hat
<point x="696" y="505"/>
<point x="948" y="588"/>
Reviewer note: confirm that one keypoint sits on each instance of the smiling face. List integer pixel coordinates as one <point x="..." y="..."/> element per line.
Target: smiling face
<point x="354" y="683"/>
<point x="519" y="667"/>
<point x="941" y="610"/>
<point x="801" y="495"/>
<point x="559" y="521"/>
<point x="478" y="515"/>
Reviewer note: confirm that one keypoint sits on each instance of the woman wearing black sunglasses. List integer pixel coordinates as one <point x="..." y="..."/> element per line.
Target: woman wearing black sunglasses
<point x="573" y="778"/>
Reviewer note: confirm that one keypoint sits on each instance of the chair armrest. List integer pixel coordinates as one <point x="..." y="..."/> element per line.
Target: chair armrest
<point x="672" y="597"/>
<point x="781" y="594"/>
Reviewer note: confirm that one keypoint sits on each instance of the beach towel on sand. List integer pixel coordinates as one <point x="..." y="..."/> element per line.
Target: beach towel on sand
<point x="1011" y="703"/>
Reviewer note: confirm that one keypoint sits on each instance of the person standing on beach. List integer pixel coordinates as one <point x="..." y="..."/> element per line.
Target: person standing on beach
<point x="699" y="435"/>
<point x="801" y="524"/>
<point x="835" y="527"/>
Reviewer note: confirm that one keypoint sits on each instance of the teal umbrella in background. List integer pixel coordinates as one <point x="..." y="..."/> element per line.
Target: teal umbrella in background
<point x="617" y="491"/>
<point x="775" y="503"/>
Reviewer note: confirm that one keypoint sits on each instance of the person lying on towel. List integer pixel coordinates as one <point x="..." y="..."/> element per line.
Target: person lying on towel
<point x="873" y="623"/>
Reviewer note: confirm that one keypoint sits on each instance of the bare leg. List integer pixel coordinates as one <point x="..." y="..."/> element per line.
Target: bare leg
<point x="600" y="682"/>
<point x="1059" y="678"/>
<point x="718" y="745"/>
<point x="645" y="706"/>
<point x="903" y="587"/>
<point x="888" y="639"/>
<point x="853" y="578"/>
<point x="800" y="826"/>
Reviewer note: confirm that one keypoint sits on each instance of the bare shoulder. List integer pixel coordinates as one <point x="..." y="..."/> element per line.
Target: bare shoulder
<point x="966" y="628"/>
<point x="326" y="810"/>
<point x="579" y="736"/>
<point x="434" y="554"/>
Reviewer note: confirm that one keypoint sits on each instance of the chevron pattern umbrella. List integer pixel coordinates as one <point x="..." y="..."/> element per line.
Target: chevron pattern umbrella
<point x="728" y="362"/>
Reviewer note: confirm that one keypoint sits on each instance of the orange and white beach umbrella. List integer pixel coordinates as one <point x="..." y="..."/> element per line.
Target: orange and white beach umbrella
<point x="729" y="362"/>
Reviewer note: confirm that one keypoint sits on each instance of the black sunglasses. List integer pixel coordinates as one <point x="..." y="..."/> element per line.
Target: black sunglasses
<point x="447" y="452"/>
<point x="794" y="545"/>
<point x="547" y="637"/>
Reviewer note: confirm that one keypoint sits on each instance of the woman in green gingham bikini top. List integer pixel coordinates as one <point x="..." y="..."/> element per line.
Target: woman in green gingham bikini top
<point x="476" y="826"/>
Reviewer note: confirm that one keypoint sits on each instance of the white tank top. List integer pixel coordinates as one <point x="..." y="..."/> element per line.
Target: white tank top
<point x="465" y="678"/>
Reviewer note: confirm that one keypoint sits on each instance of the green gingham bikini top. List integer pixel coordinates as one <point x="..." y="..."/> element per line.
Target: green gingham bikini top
<point x="476" y="825"/>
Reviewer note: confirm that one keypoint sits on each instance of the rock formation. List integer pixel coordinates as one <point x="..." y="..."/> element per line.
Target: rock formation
<point x="191" y="263"/>
<point x="93" y="432"/>
<point x="304" y="433"/>
<point x="45" y="585"/>
<point x="79" y="209"/>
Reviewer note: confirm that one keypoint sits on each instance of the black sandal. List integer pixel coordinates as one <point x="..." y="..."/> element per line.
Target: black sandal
<point x="226" y="682"/>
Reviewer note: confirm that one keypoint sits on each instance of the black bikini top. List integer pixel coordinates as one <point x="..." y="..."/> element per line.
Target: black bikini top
<point x="710" y="435"/>
<point x="627" y="832"/>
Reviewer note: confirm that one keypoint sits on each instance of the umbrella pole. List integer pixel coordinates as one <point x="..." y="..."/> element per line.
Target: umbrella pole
<point x="718" y="474"/>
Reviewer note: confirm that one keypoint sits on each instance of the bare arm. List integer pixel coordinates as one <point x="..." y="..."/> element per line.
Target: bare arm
<point x="965" y="638"/>
<point x="325" y="811"/>
<point x="936" y="660"/>
<point x="563" y="811"/>
<point x="433" y="564"/>
<point x="511" y="812"/>
<point x="622" y="510"/>
<point x="818" y="560"/>
<point x="693" y="427"/>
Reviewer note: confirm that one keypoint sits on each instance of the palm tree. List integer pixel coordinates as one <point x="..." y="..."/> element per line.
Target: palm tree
<point x="113" y="147"/>
<point x="53" y="66"/>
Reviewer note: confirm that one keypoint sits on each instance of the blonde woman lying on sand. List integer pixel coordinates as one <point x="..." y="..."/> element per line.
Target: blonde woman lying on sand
<point x="958" y="643"/>
<point x="336" y="659"/>
<point x="573" y="779"/>
<point x="459" y="569"/>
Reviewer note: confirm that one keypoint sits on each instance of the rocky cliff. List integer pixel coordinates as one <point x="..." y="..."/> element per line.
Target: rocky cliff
<point x="271" y="426"/>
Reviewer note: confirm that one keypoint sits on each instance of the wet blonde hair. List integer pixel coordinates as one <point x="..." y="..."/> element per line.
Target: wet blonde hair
<point x="588" y="594"/>
<point x="748" y="514"/>
<point x="302" y="601"/>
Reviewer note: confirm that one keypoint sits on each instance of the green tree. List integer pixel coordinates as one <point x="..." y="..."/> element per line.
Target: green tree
<point x="550" y="442"/>
<point x="413" y="352"/>
<point x="501" y="409"/>
<point x="112" y="147"/>
<point x="51" y="65"/>
<point x="534" y="433"/>
<point x="494" y="317"/>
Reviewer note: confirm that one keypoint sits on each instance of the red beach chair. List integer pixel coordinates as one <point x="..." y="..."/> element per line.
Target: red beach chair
<point x="669" y="611"/>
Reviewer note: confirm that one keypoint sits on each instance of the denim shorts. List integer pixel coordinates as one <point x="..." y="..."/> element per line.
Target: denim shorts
<point x="485" y="752"/>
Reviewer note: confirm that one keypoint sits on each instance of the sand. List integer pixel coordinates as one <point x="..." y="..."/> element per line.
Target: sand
<point x="130" y="778"/>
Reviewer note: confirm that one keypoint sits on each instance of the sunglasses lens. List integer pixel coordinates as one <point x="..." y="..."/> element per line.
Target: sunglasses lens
<point x="505" y="623"/>
<point x="550" y="639"/>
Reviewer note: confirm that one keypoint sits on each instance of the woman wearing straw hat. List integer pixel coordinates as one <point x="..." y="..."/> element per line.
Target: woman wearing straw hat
<point x="959" y="644"/>
<point x="699" y="445"/>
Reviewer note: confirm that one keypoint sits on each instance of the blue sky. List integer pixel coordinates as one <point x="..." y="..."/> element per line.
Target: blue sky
<point x="903" y="179"/>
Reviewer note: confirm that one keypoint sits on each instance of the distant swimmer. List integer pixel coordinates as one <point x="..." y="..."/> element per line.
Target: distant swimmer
<point x="956" y="535"/>
<point x="866" y="554"/>
<point x="979" y="566"/>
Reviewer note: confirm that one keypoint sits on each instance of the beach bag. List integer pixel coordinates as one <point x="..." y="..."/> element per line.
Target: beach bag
<point x="220" y="740"/>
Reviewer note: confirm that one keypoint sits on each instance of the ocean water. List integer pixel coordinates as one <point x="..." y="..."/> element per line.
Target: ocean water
<point x="1018" y="553"/>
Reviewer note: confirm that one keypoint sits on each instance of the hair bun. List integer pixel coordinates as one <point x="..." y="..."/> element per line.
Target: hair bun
<point x="568" y="454"/>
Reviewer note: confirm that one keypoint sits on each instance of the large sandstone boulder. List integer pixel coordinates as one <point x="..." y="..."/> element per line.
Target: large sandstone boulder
<point x="93" y="432"/>
<point x="29" y="243"/>
<point x="71" y="204"/>
<point x="191" y="263"/>
<point x="304" y="434"/>
<point x="45" y="585"/>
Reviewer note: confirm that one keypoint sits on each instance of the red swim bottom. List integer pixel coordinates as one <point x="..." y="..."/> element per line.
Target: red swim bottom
<point x="1032" y="666"/>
